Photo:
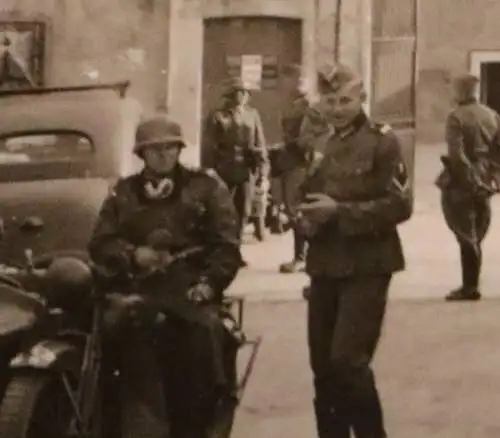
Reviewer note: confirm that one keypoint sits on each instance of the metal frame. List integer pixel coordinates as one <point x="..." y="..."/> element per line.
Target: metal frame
<point x="37" y="57"/>
<point x="120" y="87"/>
<point x="254" y="344"/>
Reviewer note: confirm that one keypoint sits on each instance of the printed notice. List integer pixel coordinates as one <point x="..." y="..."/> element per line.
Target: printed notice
<point x="251" y="71"/>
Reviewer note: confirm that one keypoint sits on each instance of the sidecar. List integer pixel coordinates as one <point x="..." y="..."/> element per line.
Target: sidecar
<point x="50" y="356"/>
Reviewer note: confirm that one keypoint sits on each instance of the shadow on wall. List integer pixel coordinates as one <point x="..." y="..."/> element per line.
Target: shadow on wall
<point x="433" y="103"/>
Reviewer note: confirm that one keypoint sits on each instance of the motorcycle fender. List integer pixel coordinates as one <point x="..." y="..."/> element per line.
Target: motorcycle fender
<point x="49" y="354"/>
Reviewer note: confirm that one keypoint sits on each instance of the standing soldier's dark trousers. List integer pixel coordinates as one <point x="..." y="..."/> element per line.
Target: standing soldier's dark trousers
<point x="291" y="182"/>
<point x="345" y="317"/>
<point x="242" y="194"/>
<point x="469" y="218"/>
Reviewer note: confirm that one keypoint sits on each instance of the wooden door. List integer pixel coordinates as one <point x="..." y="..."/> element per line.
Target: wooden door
<point x="277" y="41"/>
<point x="394" y="57"/>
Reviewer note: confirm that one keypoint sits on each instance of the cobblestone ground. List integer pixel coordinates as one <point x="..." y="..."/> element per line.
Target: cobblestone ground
<point x="438" y="368"/>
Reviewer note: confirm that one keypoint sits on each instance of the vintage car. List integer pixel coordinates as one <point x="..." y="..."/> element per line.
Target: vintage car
<point x="59" y="151"/>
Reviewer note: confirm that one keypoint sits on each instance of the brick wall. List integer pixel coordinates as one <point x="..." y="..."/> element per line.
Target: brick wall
<point x="101" y="41"/>
<point x="448" y="31"/>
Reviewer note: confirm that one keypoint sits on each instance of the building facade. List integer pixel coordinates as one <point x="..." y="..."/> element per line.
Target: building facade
<point x="454" y="37"/>
<point x="176" y="52"/>
<point x="91" y="41"/>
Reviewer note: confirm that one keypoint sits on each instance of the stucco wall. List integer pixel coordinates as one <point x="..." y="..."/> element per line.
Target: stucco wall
<point x="354" y="20"/>
<point x="100" y="41"/>
<point x="158" y="44"/>
<point x="448" y="31"/>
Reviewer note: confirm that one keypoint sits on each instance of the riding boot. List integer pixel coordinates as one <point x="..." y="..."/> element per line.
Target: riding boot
<point x="329" y="422"/>
<point x="143" y="402"/>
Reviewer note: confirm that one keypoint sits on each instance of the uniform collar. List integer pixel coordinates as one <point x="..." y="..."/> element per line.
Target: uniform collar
<point x="467" y="101"/>
<point x="355" y="126"/>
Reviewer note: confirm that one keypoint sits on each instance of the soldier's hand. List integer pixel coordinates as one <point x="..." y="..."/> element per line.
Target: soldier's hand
<point x="146" y="258"/>
<point x="201" y="293"/>
<point x="318" y="208"/>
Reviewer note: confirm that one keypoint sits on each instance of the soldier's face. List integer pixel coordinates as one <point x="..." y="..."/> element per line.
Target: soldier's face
<point x="344" y="105"/>
<point x="240" y="97"/>
<point x="161" y="158"/>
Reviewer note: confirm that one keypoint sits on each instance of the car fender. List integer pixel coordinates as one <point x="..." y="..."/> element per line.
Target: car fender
<point x="50" y="354"/>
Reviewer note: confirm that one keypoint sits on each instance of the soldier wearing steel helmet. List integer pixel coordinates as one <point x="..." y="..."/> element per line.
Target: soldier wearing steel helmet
<point x="469" y="179"/>
<point x="354" y="199"/>
<point x="164" y="209"/>
<point x="234" y="145"/>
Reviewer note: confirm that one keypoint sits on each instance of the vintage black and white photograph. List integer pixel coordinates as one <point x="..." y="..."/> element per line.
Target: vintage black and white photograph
<point x="249" y="218"/>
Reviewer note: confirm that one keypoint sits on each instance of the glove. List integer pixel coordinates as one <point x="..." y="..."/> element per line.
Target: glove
<point x="120" y="309"/>
<point x="146" y="259"/>
<point x="201" y="293"/>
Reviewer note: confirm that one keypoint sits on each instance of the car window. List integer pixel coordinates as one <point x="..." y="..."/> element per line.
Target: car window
<point x="25" y="157"/>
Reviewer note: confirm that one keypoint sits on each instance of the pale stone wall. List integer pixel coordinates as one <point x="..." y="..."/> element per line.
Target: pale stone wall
<point x="93" y="41"/>
<point x="448" y="31"/>
<point x="158" y="44"/>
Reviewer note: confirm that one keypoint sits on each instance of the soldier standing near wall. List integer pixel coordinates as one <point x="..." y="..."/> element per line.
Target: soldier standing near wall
<point x="354" y="200"/>
<point x="235" y="146"/>
<point x="467" y="183"/>
<point x="292" y="160"/>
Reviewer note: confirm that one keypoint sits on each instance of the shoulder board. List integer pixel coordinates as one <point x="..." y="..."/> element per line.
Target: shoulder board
<point x="382" y="128"/>
<point x="205" y="171"/>
<point x="117" y="185"/>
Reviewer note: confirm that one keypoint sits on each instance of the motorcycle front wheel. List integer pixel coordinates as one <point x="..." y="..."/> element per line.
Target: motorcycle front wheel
<point x="36" y="405"/>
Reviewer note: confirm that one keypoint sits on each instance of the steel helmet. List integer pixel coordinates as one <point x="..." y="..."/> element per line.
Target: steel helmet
<point x="158" y="129"/>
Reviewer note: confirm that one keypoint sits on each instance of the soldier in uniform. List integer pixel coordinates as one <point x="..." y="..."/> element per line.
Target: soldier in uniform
<point x="353" y="202"/>
<point x="315" y="132"/>
<point x="235" y="146"/>
<point x="165" y="209"/>
<point x="466" y="182"/>
<point x="292" y="161"/>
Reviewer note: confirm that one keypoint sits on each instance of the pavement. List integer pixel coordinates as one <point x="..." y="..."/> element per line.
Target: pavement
<point x="431" y="252"/>
<point x="436" y="367"/>
<point x="437" y="363"/>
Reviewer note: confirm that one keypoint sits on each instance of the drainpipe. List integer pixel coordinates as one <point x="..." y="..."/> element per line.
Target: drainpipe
<point x="337" y="30"/>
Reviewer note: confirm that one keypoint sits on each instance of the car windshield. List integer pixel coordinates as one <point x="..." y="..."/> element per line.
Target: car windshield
<point x="31" y="157"/>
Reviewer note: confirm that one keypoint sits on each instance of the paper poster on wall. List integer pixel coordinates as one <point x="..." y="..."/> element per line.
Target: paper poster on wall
<point x="251" y="71"/>
<point x="233" y="64"/>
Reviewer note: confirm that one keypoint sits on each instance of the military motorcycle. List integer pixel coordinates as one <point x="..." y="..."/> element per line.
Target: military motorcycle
<point x="139" y="285"/>
<point x="50" y="345"/>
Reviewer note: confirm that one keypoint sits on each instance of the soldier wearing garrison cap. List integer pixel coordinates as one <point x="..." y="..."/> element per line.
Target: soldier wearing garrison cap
<point x="292" y="160"/>
<point x="353" y="200"/>
<point x="234" y="145"/>
<point x="469" y="179"/>
<point x="147" y="218"/>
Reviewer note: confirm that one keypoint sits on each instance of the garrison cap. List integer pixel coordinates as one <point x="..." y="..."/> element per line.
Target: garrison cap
<point x="333" y="78"/>
<point x="234" y="84"/>
<point x="466" y="84"/>
<point x="158" y="129"/>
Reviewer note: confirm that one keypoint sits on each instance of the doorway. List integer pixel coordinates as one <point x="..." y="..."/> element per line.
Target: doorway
<point x="254" y="48"/>
<point x="490" y="84"/>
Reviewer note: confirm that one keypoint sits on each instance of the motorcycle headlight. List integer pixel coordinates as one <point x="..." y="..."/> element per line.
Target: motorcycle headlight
<point x="68" y="281"/>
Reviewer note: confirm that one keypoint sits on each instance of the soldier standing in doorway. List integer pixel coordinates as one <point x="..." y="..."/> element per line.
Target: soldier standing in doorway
<point x="467" y="181"/>
<point x="235" y="147"/>
<point x="358" y="194"/>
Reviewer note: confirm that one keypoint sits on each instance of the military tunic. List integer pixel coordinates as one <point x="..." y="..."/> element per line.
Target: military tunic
<point x="467" y="181"/>
<point x="365" y="172"/>
<point x="350" y="260"/>
<point x="234" y="145"/>
<point x="199" y="212"/>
